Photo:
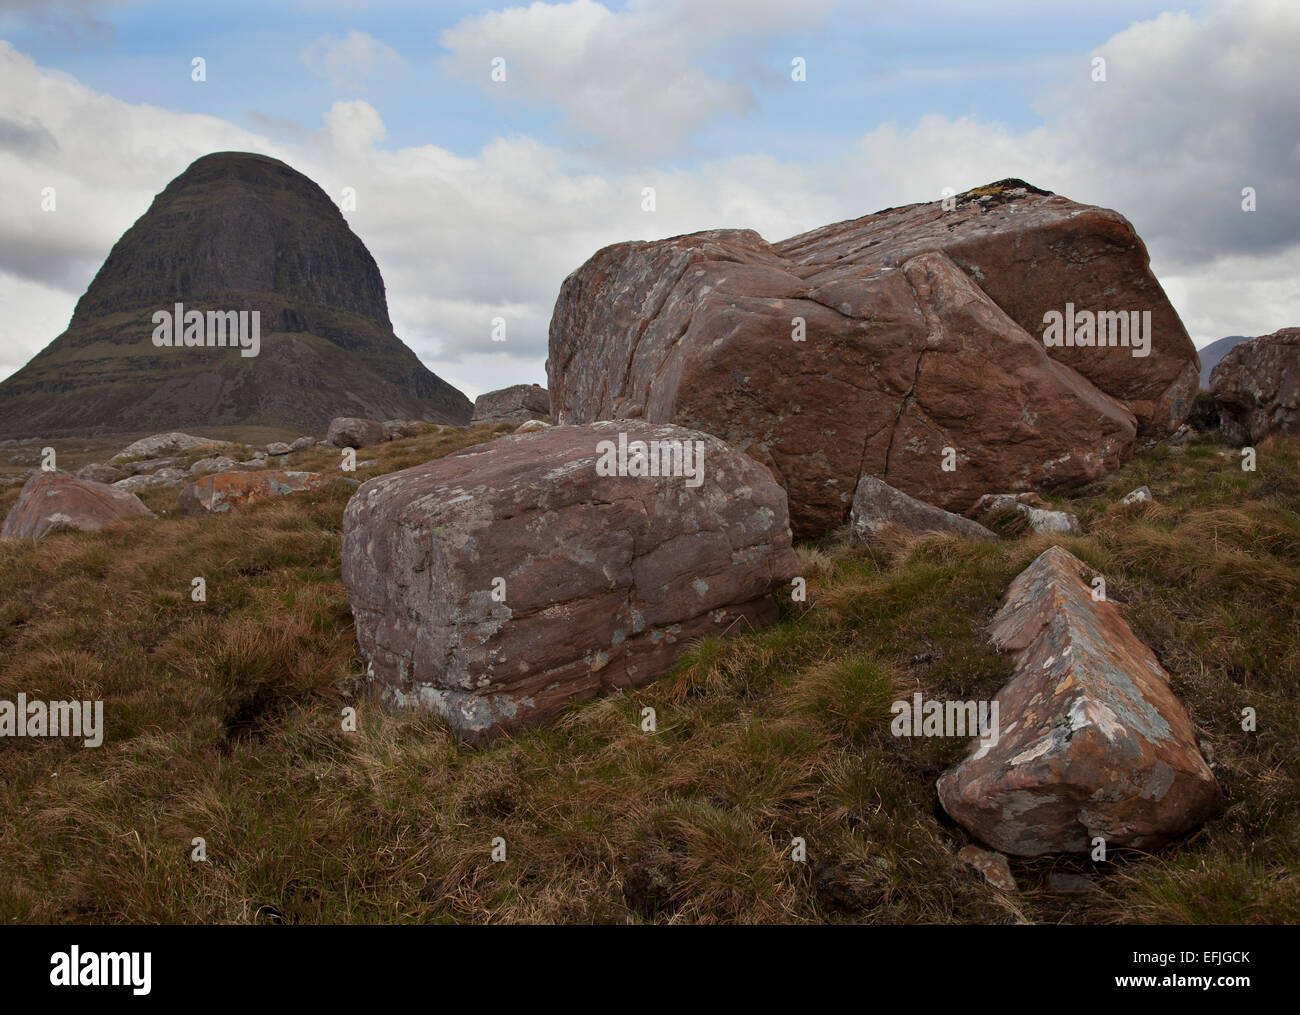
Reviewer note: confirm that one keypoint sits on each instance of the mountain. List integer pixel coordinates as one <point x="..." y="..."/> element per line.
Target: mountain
<point x="1214" y="352"/>
<point x="235" y="232"/>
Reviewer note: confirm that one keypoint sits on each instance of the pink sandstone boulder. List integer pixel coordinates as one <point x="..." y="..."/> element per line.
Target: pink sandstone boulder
<point x="1257" y="387"/>
<point x="873" y="347"/>
<point x="1093" y="743"/>
<point x="51" y="500"/>
<point x="503" y="582"/>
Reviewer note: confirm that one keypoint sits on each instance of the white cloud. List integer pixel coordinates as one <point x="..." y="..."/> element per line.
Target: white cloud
<point x="627" y="79"/>
<point x="1192" y="110"/>
<point x="346" y="60"/>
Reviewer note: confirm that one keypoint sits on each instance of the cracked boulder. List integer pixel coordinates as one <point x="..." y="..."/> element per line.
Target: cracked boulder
<point x="499" y="584"/>
<point x="52" y="500"/>
<point x="1093" y="743"/>
<point x="1257" y="387"/>
<point x="907" y="345"/>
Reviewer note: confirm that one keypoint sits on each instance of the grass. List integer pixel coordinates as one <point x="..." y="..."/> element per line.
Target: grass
<point x="225" y="722"/>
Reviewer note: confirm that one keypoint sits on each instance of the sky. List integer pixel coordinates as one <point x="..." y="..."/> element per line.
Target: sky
<point x="478" y="196"/>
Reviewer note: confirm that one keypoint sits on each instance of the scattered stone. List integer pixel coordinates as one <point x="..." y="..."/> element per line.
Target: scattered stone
<point x="515" y="404"/>
<point x="1041" y="518"/>
<point x="278" y="448"/>
<point x="217" y="463"/>
<point x="532" y="426"/>
<point x="993" y="866"/>
<point x="149" y="465"/>
<point x="144" y="480"/>
<point x="878" y="507"/>
<point x="1142" y="493"/>
<point x="51" y="500"/>
<point x="220" y="492"/>
<point x="605" y="578"/>
<point x="1097" y="744"/>
<point x="1257" y="387"/>
<point x="350" y="432"/>
<point x="100" y="473"/>
<point x="302" y="444"/>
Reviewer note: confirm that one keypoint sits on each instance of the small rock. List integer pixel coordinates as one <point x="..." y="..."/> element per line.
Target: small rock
<point x="141" y="481"/>
<point x="217" y="463"/>
<point x="1137" y="496"/>
<point x="302" y="444"/>
<point x="531" y="426"/>
<point x="278" y="448"/>
<point x="149" y="465"/>
<point x="993" y="866"/>
<point x="878" y="507"/>
<point x="1041" y="519"/>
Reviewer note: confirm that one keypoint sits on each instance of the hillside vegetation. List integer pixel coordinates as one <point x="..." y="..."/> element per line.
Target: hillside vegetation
<point x="224" y="722"/>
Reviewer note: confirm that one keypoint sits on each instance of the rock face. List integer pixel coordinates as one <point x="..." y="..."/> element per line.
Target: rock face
<point x="867" y="347"/>
<point x="52" y="499"/>
<point x="1093" y="741"/>
<point x="1257" y="387"/>
<point x="878" y="507"/>
<point x="234" y="232"/>
<point x="219" y="492"/>
<point x="348" y="432"/>
<point x="605" y="578"/>
<point x="515" y="404"/>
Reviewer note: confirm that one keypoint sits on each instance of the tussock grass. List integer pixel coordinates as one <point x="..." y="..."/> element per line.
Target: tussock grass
<point x="224" y="721"/>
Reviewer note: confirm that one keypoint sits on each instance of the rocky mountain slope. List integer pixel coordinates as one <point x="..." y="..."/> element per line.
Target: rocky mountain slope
<point x="234" y="232"/>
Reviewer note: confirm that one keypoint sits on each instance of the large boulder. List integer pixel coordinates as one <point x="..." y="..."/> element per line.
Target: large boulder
<point x="1097" y="744"/>
<point x="868" y="347"/>
<point x="219" y="492"/>
<point x="499" y="584"/>
<point x="1257" y="387"/>
<point x="51" y="500"/>
<point x="515" y="404"/>
<point x="879" y="508"/>
<point x="162" y="444"/>
<point x="350" y="432"/>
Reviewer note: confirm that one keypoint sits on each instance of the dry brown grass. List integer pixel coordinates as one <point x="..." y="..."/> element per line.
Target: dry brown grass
<point x="224" y="722"/>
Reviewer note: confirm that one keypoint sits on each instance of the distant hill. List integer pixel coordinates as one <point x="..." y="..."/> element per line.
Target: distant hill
<point x="1214" y="352"/>
<point x="234" y="232"/>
